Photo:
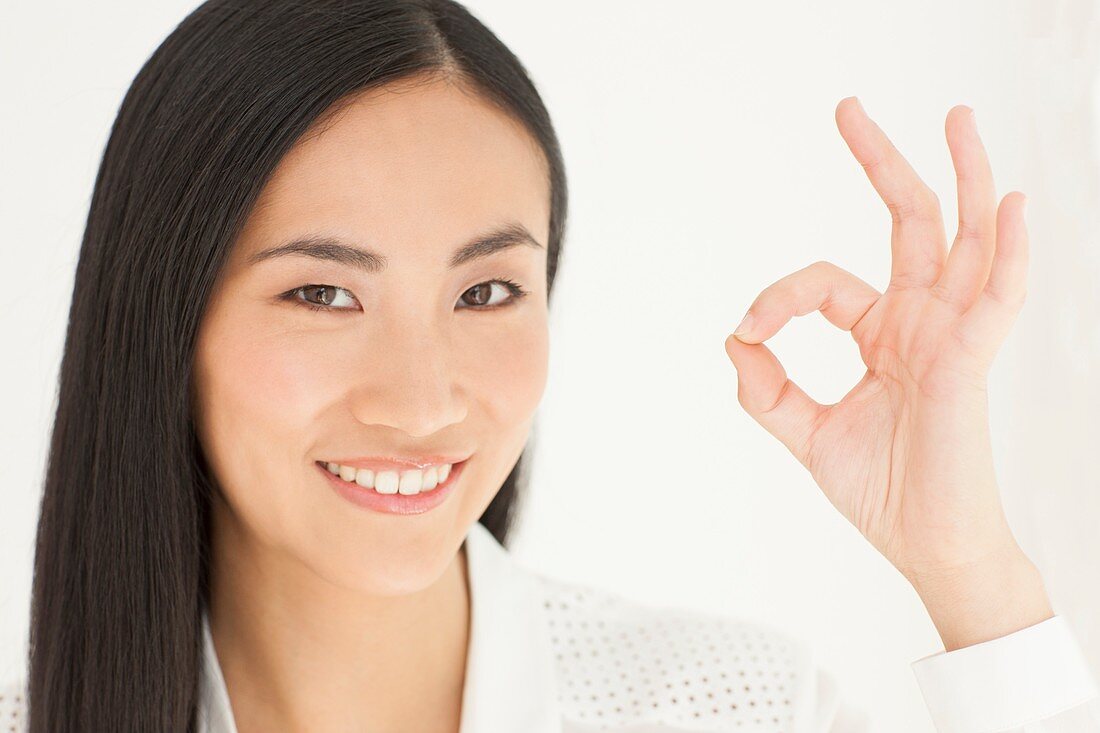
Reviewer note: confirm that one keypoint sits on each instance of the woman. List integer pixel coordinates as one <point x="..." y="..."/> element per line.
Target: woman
<point x="307" y="341"/>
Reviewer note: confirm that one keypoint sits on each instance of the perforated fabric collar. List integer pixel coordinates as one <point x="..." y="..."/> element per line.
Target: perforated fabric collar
<point x="511" y="680"/>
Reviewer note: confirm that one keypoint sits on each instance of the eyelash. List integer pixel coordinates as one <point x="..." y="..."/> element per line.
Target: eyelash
<point x="516" y="291"/>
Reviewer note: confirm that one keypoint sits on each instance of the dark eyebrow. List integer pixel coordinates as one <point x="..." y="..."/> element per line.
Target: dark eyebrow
<point x="334" y="250"/>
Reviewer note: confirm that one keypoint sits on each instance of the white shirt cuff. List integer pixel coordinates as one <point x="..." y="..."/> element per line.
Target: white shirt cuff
<point x="1028" y="675"/>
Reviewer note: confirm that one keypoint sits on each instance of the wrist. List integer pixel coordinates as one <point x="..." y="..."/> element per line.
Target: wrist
<point x="985" y="600"/>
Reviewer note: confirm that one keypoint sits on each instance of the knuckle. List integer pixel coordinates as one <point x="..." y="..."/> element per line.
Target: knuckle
<point x="969" y="229"/>
<point x="942" y="293"/>
<point x="815" y="277"/>
<point x="784" y="391"/>
<point x="823" y="270"/>
<point x="871" y="165"/>
<point x="920" y="204"/>
<point x="1012" y="300"/>
<point x="931" y="200"/>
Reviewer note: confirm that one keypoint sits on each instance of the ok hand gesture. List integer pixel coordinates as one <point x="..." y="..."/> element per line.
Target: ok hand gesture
<point x="906" y="454"/>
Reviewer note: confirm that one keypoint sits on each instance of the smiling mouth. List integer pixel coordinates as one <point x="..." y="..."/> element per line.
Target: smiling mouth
<point x="407" y="482"/>
<point x="408" y="499"/>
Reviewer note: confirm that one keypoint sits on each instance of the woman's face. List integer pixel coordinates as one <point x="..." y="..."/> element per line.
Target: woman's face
<point x="416" y="357"/>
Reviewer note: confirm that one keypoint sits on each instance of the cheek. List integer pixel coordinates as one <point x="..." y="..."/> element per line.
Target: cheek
<point x="507" y="371"/>
<point x="504" y="375"/>
<point x="259" y="393"/>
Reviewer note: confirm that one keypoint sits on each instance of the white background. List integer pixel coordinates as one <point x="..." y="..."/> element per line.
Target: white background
<point x="704" y="163"/>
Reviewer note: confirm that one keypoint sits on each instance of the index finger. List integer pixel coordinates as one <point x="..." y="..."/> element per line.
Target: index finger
<point x="842" y="298"/>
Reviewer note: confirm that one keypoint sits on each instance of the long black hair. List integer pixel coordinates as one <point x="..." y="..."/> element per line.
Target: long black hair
<point x="122" y="552"/>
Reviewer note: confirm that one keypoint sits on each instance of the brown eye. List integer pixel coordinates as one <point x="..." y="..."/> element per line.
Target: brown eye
<point x="323" y="293"/>
<point x="322" y="297"/>
<point x="478" y="297"/>
<point x="479" y="294"/>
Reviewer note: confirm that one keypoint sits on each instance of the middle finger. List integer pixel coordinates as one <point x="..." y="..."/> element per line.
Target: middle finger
<point x="917" y="240"/>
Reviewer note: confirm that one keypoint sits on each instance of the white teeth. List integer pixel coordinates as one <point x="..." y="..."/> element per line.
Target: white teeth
<point x="407" y="483"/>
<point x="386" y="482"/>
<point x="431" y="478"/>
<point x="365" y="478"/>
<point x="411" y="482"/>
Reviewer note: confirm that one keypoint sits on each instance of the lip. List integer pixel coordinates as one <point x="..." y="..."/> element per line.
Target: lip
<point x="393" y="503"/>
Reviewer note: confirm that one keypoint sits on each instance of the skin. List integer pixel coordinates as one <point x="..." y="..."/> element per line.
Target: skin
<point x="906" y="456"/>
<point x="325" y="614"/>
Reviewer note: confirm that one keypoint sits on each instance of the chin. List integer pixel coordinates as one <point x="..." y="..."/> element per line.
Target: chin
<point x="386" y="569"/>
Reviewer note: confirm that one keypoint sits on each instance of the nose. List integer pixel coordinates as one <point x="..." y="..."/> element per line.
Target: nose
<point x="407" y="380"/>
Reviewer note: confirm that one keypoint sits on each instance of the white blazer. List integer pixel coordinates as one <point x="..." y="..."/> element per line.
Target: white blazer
<point x="550" y="656"/>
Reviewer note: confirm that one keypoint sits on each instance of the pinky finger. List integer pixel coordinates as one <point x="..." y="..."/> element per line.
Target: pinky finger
<point x="986" y="324"/>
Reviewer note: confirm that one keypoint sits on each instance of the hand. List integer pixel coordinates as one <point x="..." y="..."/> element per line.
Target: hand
<point x="906" y="455"/>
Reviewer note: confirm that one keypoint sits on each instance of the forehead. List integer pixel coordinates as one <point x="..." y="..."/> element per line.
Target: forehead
<point x="416" y="165"/>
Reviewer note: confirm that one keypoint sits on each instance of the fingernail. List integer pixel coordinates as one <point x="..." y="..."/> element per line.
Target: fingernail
<point x="743" y="327"/>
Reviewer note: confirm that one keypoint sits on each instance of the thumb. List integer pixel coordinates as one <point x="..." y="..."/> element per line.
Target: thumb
<point x="773" y="400"/>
